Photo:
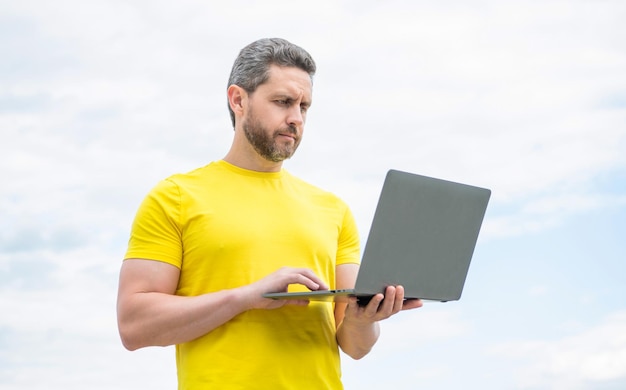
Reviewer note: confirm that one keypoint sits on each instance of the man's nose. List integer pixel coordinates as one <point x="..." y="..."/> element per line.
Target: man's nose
<point x="296" y="117"/>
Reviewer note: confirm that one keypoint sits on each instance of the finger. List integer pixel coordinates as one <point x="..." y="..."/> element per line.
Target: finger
<point x="373" y="306"/>
<point x="297" y="302"/>
<point x="308" y="278"/>
<point x="388" y="304"/>
<point x="412" y="304"/>
<point x="299" y="276"/>
<point x="353" y="305"/>
<point x="399" y="299"/>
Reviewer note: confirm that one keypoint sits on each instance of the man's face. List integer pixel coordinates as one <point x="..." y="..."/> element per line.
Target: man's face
<point x="274" y="121"/>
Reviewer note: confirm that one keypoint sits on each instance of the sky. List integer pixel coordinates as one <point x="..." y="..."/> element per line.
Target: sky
<point x="100" y="100"/>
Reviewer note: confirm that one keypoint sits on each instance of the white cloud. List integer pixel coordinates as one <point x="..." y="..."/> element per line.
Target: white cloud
<point x="588" y="359"/>
<point x="548" y="212"/>
<point x="567" y="203"/>
<point x="58" y="329"/>
<point x="418" y="328"/>
<point x="100" y="100"/>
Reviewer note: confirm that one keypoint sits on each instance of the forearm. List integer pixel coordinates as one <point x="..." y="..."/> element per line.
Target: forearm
<point x="158" y="319"/>
<point x="357" y="340"/>
<point x="151" y="314"/>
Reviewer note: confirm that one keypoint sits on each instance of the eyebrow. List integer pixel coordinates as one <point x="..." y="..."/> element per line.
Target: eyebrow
<point x="290" y="97"/>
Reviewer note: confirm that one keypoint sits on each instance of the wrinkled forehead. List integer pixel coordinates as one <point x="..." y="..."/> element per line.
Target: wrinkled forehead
<point x="291" y="80"/>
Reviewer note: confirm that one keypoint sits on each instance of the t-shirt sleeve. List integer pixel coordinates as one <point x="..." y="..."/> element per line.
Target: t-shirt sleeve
<point x="348" y="248"/>
<point x="156" y="230"/>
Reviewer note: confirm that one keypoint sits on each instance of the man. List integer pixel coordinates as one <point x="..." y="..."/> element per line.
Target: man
<point x="207" y="244"/>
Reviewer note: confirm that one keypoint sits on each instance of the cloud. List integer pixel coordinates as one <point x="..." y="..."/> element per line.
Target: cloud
<point x="58" y="329"/>
<point x="424" y="346"/>
<point x="547" y="211"/>
<point x="100" y="100"/>
<point x="593" y="358"/>
<point x="59" y="359"/>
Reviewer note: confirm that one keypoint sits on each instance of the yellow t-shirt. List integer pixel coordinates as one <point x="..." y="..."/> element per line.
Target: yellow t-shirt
<point x="226" y="227"/>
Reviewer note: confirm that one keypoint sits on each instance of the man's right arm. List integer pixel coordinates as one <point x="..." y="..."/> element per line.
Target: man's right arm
<point x="150" y="314"/>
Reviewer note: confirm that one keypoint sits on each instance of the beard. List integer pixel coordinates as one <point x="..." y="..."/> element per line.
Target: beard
<point x="265" y="143"/>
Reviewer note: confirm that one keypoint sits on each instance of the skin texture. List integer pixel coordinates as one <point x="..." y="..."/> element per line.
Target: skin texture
<point x="269" y="125"/>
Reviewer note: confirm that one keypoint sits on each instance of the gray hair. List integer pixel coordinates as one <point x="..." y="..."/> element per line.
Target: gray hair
<point x="251" y="67"/>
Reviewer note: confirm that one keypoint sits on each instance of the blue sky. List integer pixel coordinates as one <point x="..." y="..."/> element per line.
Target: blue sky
<point x="99" y="100"/>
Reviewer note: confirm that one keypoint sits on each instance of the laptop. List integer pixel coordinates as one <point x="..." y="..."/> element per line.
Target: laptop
<point x="422" y="237"/>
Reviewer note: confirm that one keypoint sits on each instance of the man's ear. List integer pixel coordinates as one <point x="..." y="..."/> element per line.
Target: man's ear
<point x="237" y="99"/>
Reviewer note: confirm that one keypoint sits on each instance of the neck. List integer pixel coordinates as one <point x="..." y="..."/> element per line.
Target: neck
<point x="251" y="160"/>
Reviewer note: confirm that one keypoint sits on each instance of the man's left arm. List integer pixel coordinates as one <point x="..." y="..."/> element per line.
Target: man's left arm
<point x="357" y="327"/>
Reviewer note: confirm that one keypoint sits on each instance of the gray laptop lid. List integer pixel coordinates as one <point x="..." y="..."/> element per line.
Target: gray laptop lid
<point x="422" y="237"/>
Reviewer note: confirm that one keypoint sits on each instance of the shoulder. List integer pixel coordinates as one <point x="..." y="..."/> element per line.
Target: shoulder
<point x="189" y="181"/>
<point x="208" y="170"/>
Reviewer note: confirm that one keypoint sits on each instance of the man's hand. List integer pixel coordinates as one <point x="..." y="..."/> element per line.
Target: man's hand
<point x="380" y="307"/>
<point x="278" y="282"/>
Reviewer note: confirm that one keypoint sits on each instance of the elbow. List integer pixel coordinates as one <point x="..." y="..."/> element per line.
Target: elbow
<point x="129" y="344"/>
<point x="130" y="339"/>
<point x="357" y="344"/>
<point x="358" y="354"/>
<point x="131" y="330"/>
<point x="135" y="336"/>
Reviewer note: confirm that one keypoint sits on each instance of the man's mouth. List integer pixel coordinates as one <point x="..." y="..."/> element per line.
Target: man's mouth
<point x="288" y="134"/>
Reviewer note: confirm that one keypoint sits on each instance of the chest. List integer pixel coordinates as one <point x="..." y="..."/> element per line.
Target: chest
<point x="244" y="222"/>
